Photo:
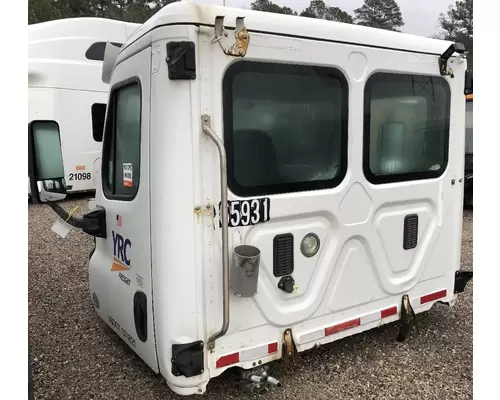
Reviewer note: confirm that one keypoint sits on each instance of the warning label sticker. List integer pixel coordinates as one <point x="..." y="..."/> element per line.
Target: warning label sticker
<point x="127" y="174"/>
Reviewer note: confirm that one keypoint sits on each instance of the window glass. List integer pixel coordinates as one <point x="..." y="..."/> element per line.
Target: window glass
<point x="468" y="127"/>
<point x="285" y="127"/>
<point x="48" y="152"/>
<point x="406" y="127"/>
<point x="124" y="143"/>
<point x="96" y="51"/>
<point x="98" y="112"/>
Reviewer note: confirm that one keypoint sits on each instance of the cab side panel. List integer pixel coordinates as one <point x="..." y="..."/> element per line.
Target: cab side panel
<point x="120" y="279"/>
<point x="176" y="189"/>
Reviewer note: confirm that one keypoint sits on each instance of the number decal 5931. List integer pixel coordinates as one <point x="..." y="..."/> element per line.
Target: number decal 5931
<point x="247" y="212"/>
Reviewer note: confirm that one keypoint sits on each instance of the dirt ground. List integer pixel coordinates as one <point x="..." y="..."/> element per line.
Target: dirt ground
<point x="77" y="357"/>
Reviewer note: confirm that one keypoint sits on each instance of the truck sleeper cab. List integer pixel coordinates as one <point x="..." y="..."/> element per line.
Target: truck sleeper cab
<point x="337" y="157"/>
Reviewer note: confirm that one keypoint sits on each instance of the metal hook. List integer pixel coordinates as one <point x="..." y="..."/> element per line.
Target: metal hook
<point x="218" y="28"/>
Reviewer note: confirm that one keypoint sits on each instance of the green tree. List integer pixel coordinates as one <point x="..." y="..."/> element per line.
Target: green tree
<point x="43" y="10"/>
<point x="269" y="6"/>
<point x="457" y="25"/>
<point x="124" y="10"/>
<point x="318" y="9"/>
<point x="382" y="14"/>
<point x="457" y="21"/>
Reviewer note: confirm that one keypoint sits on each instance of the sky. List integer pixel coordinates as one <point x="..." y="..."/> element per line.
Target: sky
<point x="420" y="16"/>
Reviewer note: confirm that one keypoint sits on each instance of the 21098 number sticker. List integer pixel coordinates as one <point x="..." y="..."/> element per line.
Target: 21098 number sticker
<point x="80" y="176"/>
<point x="247" y="212"/>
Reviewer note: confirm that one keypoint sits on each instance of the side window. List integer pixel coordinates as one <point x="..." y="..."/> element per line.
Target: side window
<point x="285" y="127"/>
<point x="98" y="112"/>
<point x="406" y="127"/>
<point x="96" y="51"/>
<point x="468" y="127"/>
<point x="122" y="143"/>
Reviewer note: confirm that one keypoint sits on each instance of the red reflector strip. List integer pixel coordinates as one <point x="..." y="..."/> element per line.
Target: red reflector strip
<point x="272" y="348"/>
<point x="227" y="360"/>
<point x="433" y="296"/>
<point x="388" y="312"/>
<point x="249" y="354"/>
<point x="343" y="326"/>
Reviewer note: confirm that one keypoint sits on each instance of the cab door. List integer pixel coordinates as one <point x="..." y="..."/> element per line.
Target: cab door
<point x="120" y="268"/>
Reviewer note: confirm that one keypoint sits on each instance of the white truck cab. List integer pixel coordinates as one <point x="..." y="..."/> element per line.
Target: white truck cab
<point x="337" y="152"/>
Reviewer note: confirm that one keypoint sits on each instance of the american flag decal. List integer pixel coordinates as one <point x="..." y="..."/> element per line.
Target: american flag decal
<point x="119" y="220"/>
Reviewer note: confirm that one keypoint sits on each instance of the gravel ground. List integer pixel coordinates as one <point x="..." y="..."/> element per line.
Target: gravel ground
<point x="77" y="357"/>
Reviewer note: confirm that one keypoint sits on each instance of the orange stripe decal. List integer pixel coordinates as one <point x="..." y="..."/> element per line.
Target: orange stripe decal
<point x="118" y="266"/>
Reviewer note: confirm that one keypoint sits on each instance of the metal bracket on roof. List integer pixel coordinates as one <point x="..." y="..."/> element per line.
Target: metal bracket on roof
<point x="242" y="38"/>
<point x="444" y="69"/>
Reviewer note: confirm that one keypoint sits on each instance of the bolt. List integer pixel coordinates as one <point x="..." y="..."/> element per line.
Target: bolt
<point x="254" y="364"/>
<point x="199" y="390"/>
<point x="260" y="362"/>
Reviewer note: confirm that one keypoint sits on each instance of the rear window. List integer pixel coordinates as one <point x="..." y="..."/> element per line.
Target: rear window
<point x="406" y="127"/>
<point x="285" y="127"/>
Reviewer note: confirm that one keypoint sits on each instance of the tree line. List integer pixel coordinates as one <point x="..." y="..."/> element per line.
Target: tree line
<point x="137" y="11"/>
<point x="456" y="23"/>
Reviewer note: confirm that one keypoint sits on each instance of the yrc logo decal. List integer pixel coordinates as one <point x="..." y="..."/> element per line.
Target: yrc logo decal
<point x="121" y="260"/>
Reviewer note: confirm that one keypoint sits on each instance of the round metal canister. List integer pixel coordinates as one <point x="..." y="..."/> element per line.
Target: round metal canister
<point x="245" y="270"/>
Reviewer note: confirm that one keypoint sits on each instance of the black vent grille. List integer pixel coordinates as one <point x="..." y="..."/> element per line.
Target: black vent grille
<point x="410" y="235"/>
<point x="283" y="254"/>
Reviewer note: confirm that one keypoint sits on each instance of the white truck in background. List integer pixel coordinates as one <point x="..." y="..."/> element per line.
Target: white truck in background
<point x="66" y="92"/>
